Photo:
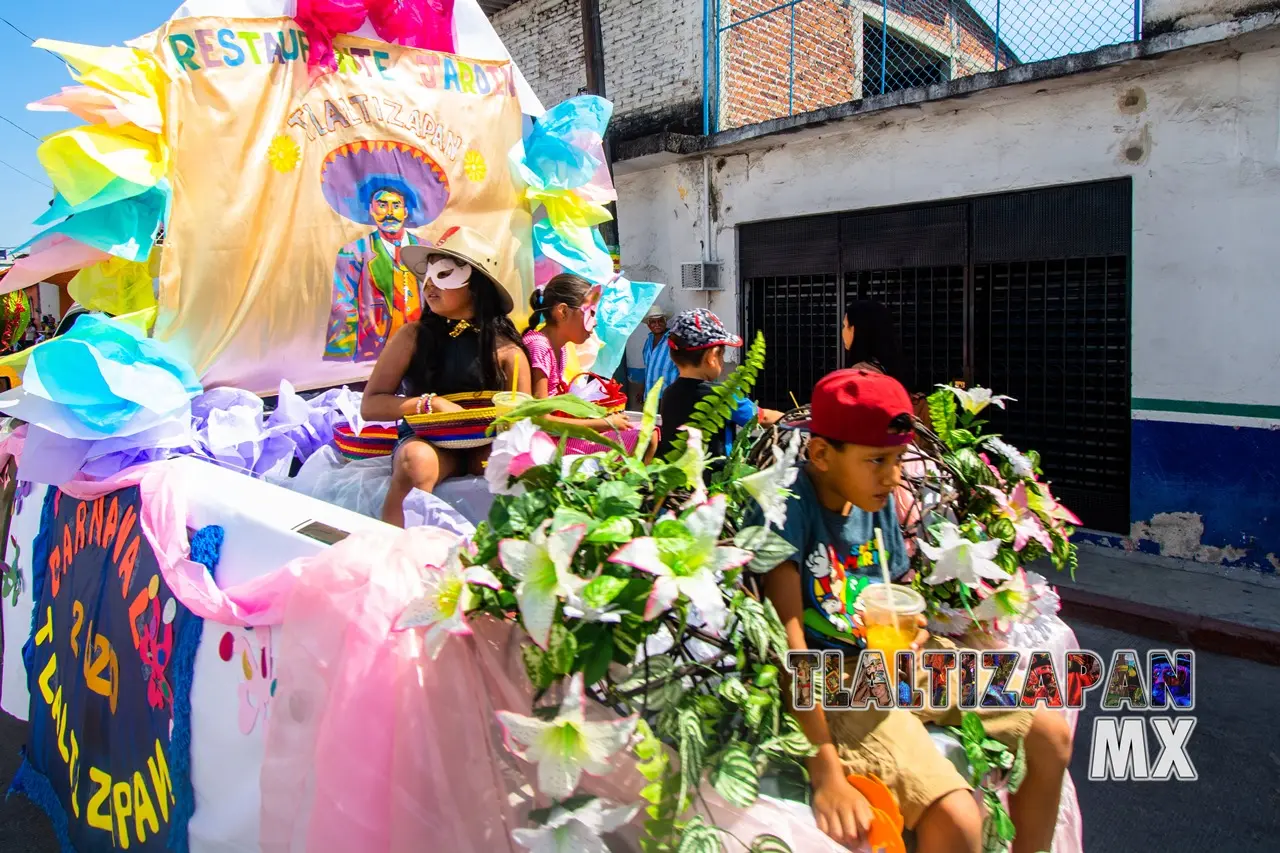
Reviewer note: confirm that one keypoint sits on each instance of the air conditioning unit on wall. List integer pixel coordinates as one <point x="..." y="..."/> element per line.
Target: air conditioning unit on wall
<point x="700" y="276"/>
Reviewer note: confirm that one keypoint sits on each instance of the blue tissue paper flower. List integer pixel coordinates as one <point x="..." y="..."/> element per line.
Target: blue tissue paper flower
<point x="102" y="374"/>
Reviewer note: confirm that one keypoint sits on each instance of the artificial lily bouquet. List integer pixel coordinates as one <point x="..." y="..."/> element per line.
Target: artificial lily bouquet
<point x="628" y="578"/>
<point x="987" y="515"/>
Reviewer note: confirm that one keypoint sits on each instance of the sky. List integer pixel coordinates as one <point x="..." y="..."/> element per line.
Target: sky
<point x="30" y="74"/>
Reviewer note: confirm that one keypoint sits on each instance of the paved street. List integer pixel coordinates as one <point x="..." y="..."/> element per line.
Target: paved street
<point x="1234" y="807"/>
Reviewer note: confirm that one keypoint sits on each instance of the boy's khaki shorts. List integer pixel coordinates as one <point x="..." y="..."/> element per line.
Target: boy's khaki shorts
<point x="896" y="747"/>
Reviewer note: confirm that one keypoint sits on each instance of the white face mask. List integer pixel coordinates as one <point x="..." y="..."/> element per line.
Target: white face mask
<point x="448" y="274"/>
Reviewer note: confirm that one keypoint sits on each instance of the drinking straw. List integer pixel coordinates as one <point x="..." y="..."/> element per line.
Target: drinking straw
<point x="515" y="377"/>
<point x="884" y="563"/>
<point x="794" y="400"/>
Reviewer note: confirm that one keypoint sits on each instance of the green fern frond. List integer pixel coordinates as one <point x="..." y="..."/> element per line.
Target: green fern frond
<point x="712" y="413"/>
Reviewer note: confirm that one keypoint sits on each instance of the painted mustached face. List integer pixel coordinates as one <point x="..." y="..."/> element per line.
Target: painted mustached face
<point x="388" y="210"/>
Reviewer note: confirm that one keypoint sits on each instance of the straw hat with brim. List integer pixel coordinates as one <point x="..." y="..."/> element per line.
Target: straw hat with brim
<point x="464" y="245"/>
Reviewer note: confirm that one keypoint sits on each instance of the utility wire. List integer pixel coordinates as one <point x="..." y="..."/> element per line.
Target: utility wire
<point x="14" y="27"/>
<point x="23" y="174"/>
<point x="21" y="128"/>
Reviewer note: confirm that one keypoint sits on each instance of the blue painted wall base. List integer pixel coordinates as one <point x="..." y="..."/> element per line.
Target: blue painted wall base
<point x="1229" y="476"/>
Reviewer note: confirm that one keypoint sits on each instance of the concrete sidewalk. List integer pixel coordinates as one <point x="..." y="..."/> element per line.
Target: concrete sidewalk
<point x="1212" y="608"/>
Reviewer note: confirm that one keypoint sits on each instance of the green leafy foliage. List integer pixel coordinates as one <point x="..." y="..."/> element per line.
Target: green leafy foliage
<point x="769" y="844"/>
<point x="987" y="758"/>
<point x="770" y="549"/>
<point x="735" y="776"/>
<point x="712" y="414"/>
<point x="942" y="412"/>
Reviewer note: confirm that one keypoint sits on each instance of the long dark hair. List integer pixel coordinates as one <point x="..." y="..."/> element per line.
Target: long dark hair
<point x="564" y="289"/>
<point x="875" y="338"/>
<point x="491" y="323"/>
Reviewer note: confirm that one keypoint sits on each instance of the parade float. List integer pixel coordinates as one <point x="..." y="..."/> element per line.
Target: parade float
<point x="215" y="644"/>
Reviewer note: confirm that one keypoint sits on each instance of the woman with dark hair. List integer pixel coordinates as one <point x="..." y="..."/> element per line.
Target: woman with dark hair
<point x="871" y="339"/>
<point x="463" y="342"/>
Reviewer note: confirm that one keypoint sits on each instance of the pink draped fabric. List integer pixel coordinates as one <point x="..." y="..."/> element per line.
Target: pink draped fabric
<point x="426" y="24"/>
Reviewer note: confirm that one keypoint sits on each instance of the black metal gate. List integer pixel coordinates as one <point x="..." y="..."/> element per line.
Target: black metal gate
<point x="1026" y="293"/>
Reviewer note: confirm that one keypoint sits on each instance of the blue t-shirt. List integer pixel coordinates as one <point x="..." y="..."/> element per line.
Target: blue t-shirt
<point x="837" y="556"/>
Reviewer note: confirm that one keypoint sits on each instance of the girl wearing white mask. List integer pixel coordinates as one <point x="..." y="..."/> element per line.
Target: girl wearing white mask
<point x="464" y="342"/>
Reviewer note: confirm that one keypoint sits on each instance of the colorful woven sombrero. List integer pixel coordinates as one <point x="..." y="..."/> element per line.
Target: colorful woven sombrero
<point x="351" y="175"/>
<point x="374" y="440"/>
<point x="458" y="430"/>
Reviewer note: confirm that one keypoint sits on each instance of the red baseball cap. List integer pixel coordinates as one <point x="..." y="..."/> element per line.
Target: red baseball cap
<point x="859" y="407"/>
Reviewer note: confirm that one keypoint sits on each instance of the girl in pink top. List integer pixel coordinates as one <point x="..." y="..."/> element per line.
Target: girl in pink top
<point x="566" y="310"/>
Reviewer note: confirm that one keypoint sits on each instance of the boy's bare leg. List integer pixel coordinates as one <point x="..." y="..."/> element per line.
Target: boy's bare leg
<point x="952" y="824"/>
<point x="1034" y="808"/>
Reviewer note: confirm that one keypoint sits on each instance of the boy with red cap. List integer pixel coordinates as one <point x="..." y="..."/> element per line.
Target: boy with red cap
<point x="860" y="426"/>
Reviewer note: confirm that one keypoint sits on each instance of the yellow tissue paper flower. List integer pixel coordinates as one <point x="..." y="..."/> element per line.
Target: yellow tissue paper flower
<point x="114" y="286"/>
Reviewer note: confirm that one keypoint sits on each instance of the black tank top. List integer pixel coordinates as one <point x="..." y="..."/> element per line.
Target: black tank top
<point x="458" y="370"/>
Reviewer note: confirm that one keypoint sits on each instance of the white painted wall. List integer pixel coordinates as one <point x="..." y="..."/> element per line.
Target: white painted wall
<point x="1186" y="14"/>
<point x="1206" y="198"/>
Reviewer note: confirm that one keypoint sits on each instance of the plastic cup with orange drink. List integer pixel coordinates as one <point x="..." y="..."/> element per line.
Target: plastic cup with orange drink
<point x="890" y="617"/>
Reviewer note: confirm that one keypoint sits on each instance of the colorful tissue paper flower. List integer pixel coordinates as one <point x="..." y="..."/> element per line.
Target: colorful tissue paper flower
<point x="442" y="608"/>
<point x="515" y="451"/>
<point x="576" y="831"/>
<point x="580" y="251"/>
<point x="82" y="161"/>
<point x="124" y="71"/>
<point x="551" y="157"/>
<point x="426" y="24"/>
<point x="1026" y="524"/>
<point x="126" y="229"/>
<point x="974" y="400"/>
<point x="97" y="106"/>
<point x="114" y="286"/>
<point x="568" y="745"/>
<point x="623" y="304"/>
<point x="543" y="567"/>
<point x="768" y="486"/>
<point x="956" y="558"/>
<point x="94" y="380"/>
<point x="50" y="254"/>
<point x="688" y="565"/>
<point x="1010" y="602"/>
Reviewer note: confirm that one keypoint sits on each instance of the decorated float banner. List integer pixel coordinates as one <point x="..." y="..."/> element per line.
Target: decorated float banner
<point x="101" y="669"/>
<point x="292" y="198"/>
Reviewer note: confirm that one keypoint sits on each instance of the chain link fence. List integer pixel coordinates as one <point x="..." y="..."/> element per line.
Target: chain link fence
<point x="772" y="59"/>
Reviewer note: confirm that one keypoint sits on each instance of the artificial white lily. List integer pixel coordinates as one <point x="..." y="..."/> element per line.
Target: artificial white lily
<point x="542" y="566"/>
<point x="515" y="451"/>
<point x="693" y="463"/>
<point x="974" y="400"/>
<point x="956" y="558"/>
<point x="577" y="831"/>
<point x="443" y="607"/>
<point x="768" y="486"/>
<point x="567" y="746"/>
<point x="689" y="565"/>
<point x="575" y="607"/>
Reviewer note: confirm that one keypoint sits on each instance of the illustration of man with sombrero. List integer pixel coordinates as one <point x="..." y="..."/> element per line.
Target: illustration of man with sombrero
<point x="393" y="187"/>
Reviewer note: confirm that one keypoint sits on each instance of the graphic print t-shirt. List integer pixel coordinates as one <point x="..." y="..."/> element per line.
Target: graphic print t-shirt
<point x="837" y="556"/>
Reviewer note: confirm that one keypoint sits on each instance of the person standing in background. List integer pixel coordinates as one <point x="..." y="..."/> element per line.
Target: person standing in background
<point x="657" y="353"/>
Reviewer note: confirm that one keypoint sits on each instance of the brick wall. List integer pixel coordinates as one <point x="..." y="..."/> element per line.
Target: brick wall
<point x="652" y="58"/>
<point x="756" y="56"/>
<point x="653" y="54"/>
